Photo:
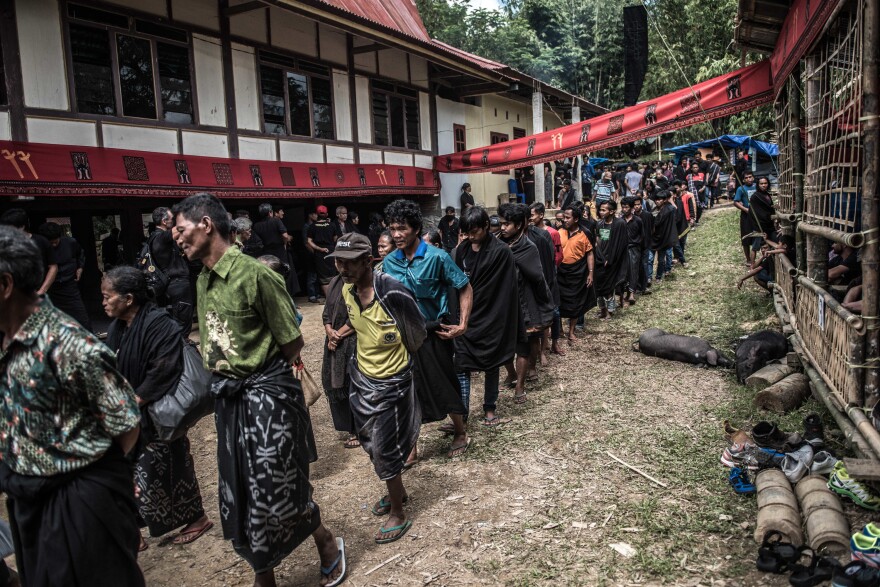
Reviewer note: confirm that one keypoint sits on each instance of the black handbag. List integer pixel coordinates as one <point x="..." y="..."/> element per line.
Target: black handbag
<point x="176" y="412"/>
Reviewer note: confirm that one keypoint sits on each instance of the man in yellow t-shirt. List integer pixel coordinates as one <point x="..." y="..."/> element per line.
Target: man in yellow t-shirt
<point x="390" y="328"/>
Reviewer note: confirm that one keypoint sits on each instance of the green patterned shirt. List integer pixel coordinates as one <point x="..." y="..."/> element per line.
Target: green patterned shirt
<point x="63" y="401"/>
<point x="245" y="315"/>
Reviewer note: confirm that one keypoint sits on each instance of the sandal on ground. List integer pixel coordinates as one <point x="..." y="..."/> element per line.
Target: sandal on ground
<point x="410" y="464"/>
<point x="191" y="535"/>
<point x="457" y="451"/>
<point x="340" y="560"/>
<point x="403" y="529"/>
<point x="494" y="421"/>
<point x="447" y="428"/>
<point x="819" y="570"/>
<point x="775" y="555"/>
<point x="739" y="480"/>
<point x="520" y="399"/>
<point x="351" y="442"/>
<point x="143" y="545"/>
<point x="383" y="506"/>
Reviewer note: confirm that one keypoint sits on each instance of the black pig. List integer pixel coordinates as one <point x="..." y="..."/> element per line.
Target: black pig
<point x="757" y="350"/>
<point x="687" y="349"/>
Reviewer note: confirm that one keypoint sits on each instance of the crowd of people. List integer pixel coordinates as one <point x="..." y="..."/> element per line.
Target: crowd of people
<point x="410" y="314"/>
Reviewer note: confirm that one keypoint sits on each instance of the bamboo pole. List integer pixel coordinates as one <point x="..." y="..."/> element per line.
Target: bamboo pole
<point x="855" y="240"/>
<point x="870" y="217"/>
<point x="853" y="321"/>
<point x="796" y="123"/>
<point x="817" y="246"/>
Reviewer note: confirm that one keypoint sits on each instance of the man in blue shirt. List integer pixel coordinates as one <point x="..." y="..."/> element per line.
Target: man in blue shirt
<point x="741" y="201"/>
<point x="429" y="272"/>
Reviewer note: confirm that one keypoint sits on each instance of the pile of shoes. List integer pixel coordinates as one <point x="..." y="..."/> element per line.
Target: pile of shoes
<point x="864" y="570"/>
<point x="860" y="494"/>
<point x="807" y="568"/>
<point x="767" y="446"/>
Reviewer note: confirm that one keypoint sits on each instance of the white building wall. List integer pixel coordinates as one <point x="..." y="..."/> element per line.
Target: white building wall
<point x="371" y="156"/>
<point x="342" y="105"/>
<point x="398" y="158"/>
<point x="364" y="110"/>
<point x="62" y="132"/>
<point x="140" y="138"/>
<point x="5" y="132"/>
<point x="448" y="114"/>
<point x="205" y="144"/>
<point x="208" y="64"/>
<point x="301" y="152"/>
<point x="418" y="71"/>
<point x="244" y="71"/>
<point x="256" y="148"/>
<point x="337" y="154"/>
<point x="425" y="121"/>
<point x="42" y="57"/>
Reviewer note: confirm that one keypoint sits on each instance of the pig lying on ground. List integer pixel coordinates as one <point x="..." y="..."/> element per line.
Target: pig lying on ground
<point x="757" y="350"/>
<point x="687" y="349"/>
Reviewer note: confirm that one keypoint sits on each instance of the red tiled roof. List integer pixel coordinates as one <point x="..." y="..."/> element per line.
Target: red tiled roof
<point x="401" y="15"/>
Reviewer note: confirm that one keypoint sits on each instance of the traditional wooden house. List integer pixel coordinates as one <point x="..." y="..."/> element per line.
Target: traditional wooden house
<point x="110" y="109"/>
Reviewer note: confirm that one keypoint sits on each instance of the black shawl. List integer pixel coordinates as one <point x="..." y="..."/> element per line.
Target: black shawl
<point x="490" y="340"/>
<point x="573" y="293"/>
<point x="610" y="268"/>
<point x="761" y="207"/>
<point x="647" y="229"/>
<point x="149" y="353"/>
<point x="546" y="251"/>
<point x="534" y="295"/>
<point x="334" y="367"/>
<point x="665" y="229"/>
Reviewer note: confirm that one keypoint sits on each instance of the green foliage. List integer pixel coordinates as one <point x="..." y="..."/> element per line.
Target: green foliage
<point x="577" y="45"/>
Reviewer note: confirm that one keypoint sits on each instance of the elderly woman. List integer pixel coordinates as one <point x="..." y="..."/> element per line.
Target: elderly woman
<point x="149" y="351"/>
<point x="249" y="243"/>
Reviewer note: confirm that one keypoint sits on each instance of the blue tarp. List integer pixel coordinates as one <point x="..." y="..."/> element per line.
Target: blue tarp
<point x="728" y="142"/>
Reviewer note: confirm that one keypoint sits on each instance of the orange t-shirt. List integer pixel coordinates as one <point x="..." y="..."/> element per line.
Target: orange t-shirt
<point x="575" y="247"/>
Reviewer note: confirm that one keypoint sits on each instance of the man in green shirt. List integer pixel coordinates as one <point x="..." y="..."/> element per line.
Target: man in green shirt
<point x="249" y="339"/>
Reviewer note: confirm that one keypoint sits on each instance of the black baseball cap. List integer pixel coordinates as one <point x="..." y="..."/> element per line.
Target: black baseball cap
<point x="352" y="246"/>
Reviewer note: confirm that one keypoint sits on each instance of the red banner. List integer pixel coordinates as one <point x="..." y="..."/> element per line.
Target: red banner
<point x="803" y="25"/>
<point x="728" y="94"/>
<point x="47" y="170"/>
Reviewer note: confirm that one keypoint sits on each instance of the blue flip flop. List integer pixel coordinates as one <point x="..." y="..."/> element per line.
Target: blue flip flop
<point x="739" y="480"/>
<point x="403" y="530"/>
<point x="325" y="571"/>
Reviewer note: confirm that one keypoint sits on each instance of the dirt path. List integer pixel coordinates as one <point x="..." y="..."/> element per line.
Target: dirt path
<point x="540" y="500"/>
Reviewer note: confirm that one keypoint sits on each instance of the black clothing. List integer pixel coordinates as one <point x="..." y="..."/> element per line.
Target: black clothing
<point x="179" y="297"/>
<point x="547" y="252"/>
<point x="334" y="368"/>
<point x="64" y="291"/>
<point x="762" y="211"/>
<point x="465" y="200"/>
<point x="574" y="294"/>
<point x="339" y="230"/>
<point x="534" y="294"/>
<point x="490" y="339"/>
<point x="167" y="255"/>
<point x="449" y="231"/>
<point x="437" y="386"/>
<point x="647" y="228"/>
<point x="678" y="172"/>
<point x="270" y="231"/>
<point x="665" y="233"/>
<point x="739" y="170"/>
<point x="76" y="529"/>
<point x="47" y="252"/>
<point x="321" y="232"/>
<point x="110" y="252"/>
<point x="610" y="257"/>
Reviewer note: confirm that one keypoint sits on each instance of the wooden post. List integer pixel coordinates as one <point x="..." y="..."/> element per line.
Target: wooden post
<point x="817" y="246"/>
<point x="870" y="217"/>
<point x="795" y="124"/>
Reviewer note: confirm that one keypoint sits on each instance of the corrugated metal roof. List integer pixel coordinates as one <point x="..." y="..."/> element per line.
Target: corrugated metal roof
<point x="481" y="62"/>
<point x="401" y="15"/>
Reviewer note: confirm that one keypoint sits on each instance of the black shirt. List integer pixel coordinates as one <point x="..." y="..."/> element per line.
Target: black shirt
<point x="270" y="231"/>
<point x="68" y="257"/>
<point x="167" y="255"/>
<point x="466" y="200"/>
<point x="321" y="233"/>
<point x="634" y="231"/>
<point x="47" y="253"/>
<point x="449" y="231"/>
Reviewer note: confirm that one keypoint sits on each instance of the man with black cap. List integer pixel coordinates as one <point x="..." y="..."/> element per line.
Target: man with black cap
<point x="321" y="240"/>
<point x="390" y="329"/>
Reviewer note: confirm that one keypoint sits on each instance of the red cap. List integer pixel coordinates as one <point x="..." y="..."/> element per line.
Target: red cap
<point x="321" y="209"/>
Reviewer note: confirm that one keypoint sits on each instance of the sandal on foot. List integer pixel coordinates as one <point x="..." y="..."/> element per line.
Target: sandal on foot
<point x="352" y="442"/>
<point x="143" y="545"/>
<point x="457" y="451"/>
<point x="191" y="535"/>
<point x="410" y="464"/>
<point x="340" y="560"/>
<point x="494" y="421"/>
<point x="520" y="399"/>
<point x="402" y="529"/>
<point x="383" y="506"/>
<point x="775" y="555"/>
